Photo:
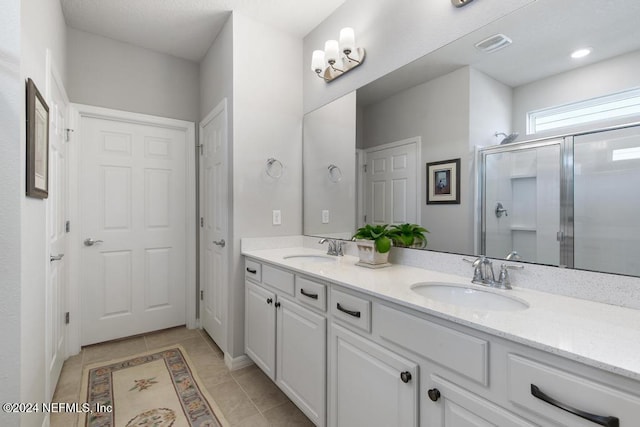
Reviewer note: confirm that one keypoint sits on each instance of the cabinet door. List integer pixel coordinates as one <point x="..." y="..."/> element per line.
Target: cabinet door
<point x="449" y="405"/>
<point x="301" y="358"/>
<point x="260" y="327"/>
<point x="368" y="385"/>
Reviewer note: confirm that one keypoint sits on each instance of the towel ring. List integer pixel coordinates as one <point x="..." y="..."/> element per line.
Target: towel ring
<point x="335" y="174"/>
<point x="275" y="168"/>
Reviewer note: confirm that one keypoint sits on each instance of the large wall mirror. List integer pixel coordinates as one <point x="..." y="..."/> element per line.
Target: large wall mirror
<point x="367" y="155"/>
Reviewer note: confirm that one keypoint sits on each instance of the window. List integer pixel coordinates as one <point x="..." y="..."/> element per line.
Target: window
<point x="608" y="107"/>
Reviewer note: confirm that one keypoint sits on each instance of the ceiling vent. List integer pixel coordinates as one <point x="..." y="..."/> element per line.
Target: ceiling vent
<point x="493" y="43"/>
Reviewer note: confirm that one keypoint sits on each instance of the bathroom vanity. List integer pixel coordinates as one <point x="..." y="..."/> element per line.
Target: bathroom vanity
<point x="353" y="346"/>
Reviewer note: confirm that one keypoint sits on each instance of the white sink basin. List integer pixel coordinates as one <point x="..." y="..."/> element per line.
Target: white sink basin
<point x="463" y="296"/>
<point x="312" y="258"/>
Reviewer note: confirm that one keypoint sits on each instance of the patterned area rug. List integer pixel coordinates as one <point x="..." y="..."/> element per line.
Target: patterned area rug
<point x="157" y="388"/>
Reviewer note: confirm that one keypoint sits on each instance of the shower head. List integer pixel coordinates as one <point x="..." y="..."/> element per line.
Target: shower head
<point x="507" y="138"/>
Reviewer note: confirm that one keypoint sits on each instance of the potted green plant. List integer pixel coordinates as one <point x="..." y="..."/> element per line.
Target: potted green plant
<point x="373" y="243"/>
<point x="408" y="235"/>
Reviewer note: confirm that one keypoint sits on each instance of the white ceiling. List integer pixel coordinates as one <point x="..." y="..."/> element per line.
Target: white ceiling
<point x="186" y="28"/>
<point x="544" y="33"/>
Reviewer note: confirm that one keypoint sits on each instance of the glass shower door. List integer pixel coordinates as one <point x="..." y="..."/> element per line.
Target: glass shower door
<point x="522" y="202"/>
<point x="607" y="201"/>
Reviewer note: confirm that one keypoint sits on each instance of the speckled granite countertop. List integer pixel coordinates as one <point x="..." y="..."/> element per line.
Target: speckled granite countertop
<point x="600" y="335"/>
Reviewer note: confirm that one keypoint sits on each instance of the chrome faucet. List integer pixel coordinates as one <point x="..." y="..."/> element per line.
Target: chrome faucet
<point x="335" y="246"/>
<point x="513" y="255"/>
<point x="483" y="273"/>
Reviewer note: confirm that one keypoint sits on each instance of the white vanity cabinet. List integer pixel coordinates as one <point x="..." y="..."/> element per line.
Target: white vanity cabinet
<point x="285" y="339"/>
<point x="369" y="385"/>
<point x="371" y="361"/>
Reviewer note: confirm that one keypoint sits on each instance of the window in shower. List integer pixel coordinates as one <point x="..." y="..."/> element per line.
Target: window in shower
<point x="609" y="107"/>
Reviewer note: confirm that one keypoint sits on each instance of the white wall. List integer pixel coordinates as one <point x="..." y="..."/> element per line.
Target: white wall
<point x="329" y="136"/>
<point x="216" y="74"/>
<point x="266" y="121"/>
<point x="438" y="112"/>
<point x="393" y="32"/>
<point x="11" y="108"/>
<point x="602" y="78"/>
<point x="42" y="27"/>
<point x="108" y="73"/>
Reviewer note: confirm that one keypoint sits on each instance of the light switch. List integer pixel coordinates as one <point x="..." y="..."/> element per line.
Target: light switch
<point x="277" y="217"/>
<point x="325" y="216"/>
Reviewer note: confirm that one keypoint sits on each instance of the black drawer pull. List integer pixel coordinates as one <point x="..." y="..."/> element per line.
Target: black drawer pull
<point x="405" y="376"/>
<point x="349" y="312"/>
<point x="597" y="419"/>
<point x="306" y="294"/>
<point x="251" y="270"/>
<point x="269" y="300"/>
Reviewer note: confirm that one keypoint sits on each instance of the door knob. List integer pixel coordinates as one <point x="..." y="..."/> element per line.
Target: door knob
<point x="90" y="242"/>
<point x="55" y="257"/>
<point x="220" y="243"/>
<point x="405" y="376"/>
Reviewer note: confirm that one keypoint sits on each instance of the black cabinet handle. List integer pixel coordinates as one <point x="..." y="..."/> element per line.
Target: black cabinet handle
<point x="306" y="294"/>
<point x="434" y="394"/>
<point x="277" y="305"/>
<point x="269" y="300"/>
<point x="251" y="270"/>
<point x="349" y="312"/>
<point x="405" y="376"/>
<point x="597" y="419"/>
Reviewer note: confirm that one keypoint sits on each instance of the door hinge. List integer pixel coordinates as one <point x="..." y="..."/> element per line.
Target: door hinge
<point x="66" y="318"/>
<point x="201" y="295"/>
<point x="364" y="167"/>
<point x="560" y="236"/>
<point x="365" y="219"/>
<point x="200" y="148"/>
<point x="201" y="222"/>
<point x="67" y="226"/>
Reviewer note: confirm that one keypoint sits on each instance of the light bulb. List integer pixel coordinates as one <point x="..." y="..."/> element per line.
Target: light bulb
<point x="317" y="61"/>
<point x="331" y="51"/>
<point x="347" y="40"/>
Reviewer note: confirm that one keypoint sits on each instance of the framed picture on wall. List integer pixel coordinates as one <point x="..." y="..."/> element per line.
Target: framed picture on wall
<point x="443" y="182"/>
<point x="37" y="143"/>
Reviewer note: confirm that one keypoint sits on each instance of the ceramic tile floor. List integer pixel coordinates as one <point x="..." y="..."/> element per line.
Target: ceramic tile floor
<point x="247" y="397"/>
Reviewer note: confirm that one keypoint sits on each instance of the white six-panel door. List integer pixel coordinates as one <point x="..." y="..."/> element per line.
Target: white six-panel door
<point x="56" y="215"/>
<point x="391" y="183"/>
<point x="133" y="193"/>
<point x="214" y="205"/>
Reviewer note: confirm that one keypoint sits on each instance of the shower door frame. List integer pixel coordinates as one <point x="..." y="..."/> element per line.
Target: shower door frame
<point x="565" y="233"/>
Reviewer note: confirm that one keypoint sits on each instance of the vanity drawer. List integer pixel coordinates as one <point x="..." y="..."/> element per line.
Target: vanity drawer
<point x="279" y="279"/>
<point x="253" y="270"/>
<point x="351" y="309"/>
<point x="462" y="353"/>
<point x="568" y="389"/>
<point x="311" y="293"/>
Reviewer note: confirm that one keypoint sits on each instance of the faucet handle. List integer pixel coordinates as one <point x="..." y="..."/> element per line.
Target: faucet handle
<point x="504" y="280"/>
<point x="340" y="247"/>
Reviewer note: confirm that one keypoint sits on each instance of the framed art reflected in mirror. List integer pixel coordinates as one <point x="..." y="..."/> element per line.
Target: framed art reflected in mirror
<point x="37" y="143"/>
<point x="443" y="182"/>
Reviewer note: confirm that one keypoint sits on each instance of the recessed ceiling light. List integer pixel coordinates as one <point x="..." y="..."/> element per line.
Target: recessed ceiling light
<point x="581" y="53"/>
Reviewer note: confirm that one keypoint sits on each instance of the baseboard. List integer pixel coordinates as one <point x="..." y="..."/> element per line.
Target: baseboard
<point x="235" y="363"/>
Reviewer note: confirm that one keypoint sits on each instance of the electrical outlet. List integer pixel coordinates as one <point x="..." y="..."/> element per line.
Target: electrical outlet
<point x="325" y="216"/>
<point x="277" y="217"/>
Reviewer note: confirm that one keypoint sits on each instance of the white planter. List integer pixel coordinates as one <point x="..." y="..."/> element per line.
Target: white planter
<point x="369" y="255"/>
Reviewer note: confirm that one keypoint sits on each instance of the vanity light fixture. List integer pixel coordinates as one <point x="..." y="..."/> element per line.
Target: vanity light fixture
<point x="581" y="53"/>
<point x="460" y="3"/>
<point x="337" y="58"/>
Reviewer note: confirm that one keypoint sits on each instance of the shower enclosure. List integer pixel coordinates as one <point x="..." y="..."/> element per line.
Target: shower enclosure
<point x="572" y="201"/>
